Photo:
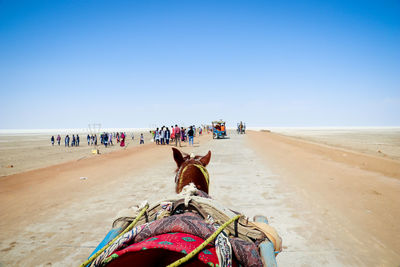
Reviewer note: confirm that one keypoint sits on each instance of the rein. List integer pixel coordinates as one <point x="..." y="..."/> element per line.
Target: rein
<point x="181" y="171"/>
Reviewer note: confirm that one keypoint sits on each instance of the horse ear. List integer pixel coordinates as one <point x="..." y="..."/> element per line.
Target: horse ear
<point x="206" y="159"/>
<point x="178" y="157"/>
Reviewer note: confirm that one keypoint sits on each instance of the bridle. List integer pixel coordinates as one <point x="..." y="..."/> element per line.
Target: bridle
<point x="181" y="171"/>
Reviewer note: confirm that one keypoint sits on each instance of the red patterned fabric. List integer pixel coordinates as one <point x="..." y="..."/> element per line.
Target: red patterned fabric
<point x="178" y="242"/>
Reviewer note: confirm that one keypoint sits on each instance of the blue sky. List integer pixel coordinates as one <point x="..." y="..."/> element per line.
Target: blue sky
<point x="64" y="64"/>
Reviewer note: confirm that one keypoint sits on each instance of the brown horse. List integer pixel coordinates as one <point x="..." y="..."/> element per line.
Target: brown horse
<point x="191" y="169"/>
<point x="172" y="228"/>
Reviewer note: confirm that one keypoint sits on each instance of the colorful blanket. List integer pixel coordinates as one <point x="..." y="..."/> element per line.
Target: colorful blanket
<point x="178" y="242"/>
<point x="244" y="252"/>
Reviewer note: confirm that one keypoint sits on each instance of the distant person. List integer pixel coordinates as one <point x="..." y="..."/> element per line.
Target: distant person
<point x="153" y="134"/>
<point x="95" y="139"/>
<point x="172" y="133"/>
<point x="177" y="135"/>
<point x="167" y="136"/>
<point x="191" y="135"/>
<point x="122" y="140"/>
<point x="88" y="140"/>
<point x="162" y="135"/>
<point x="58" y="139"/>
<point x="110" y="142"/>
<point x="77" y="140"/>
<point x="105" y="140"/>
<point x="141" y="139"/>
<point x="52" y="140"/>
<point x="183" y="134"/>
<point x="67" y="140"/>
<point x="73" y="140"/>
<point x="157" y="136"/>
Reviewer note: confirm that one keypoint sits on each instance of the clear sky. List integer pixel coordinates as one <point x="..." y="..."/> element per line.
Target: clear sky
<point x="64" y="64"/>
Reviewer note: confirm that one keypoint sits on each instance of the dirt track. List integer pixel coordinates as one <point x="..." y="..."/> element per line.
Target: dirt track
<point x="328" y="212"/>
<point x="348" y="202"/>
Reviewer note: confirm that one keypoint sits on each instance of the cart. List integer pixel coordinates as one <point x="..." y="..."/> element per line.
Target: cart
<point x="219" y="129"/>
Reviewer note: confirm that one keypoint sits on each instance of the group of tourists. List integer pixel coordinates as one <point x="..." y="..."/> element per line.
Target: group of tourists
<point x="166" y="136"/>
<point x="58" y="140"/>
<point x="106" y="139"/>
<point x="92" y="140"/>
<point x="161" y="136"/>
<point x="74" y="141"/>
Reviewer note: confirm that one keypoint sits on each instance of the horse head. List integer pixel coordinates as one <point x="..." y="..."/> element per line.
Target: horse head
<point x="191" y="169"/>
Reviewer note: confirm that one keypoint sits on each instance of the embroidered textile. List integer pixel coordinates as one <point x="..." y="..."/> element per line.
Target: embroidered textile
<point x="179" y="242"/>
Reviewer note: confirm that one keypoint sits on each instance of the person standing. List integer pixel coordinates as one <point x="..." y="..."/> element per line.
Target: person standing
<point x="191" y="135"/>
<point x="58" y="139"/>
<point x="167" y="136"/>
<point x="172" y="133"/>
<point x="141" y="139"/>
<point x="183" y="134"/>
<point x="77" y="140"/>
<point x="67" y="140"/>
<point x="110" y="139"/>
<point x="88" y="139"/>
<point x="157" y="136"/>
<point x="177" y="135"/>
<point x="162" y="135"/>
<point x="52" y="140"/>
<point x="105" y="140"/>
<point x="152" y="135"/>
<point x="122" y="140"/>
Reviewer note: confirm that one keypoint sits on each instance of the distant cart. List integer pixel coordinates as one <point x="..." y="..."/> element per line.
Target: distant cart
<point x="219" y="129"/>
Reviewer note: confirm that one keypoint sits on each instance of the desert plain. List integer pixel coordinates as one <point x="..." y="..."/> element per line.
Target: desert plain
<point x="332" y="194"/>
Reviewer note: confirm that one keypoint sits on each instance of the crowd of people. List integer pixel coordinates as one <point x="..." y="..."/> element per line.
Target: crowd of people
<point x="160" y="136"/>
<point x="106" y="139"/>
<point x="74" y="140"/>
<point x="175" y="134"/>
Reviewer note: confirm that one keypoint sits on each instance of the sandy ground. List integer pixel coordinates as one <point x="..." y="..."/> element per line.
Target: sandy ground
<point x="347" y="210"/>
<point x="329" y="210"/>
<point x="381" y="142"/>
<point x="31" y="151"/>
